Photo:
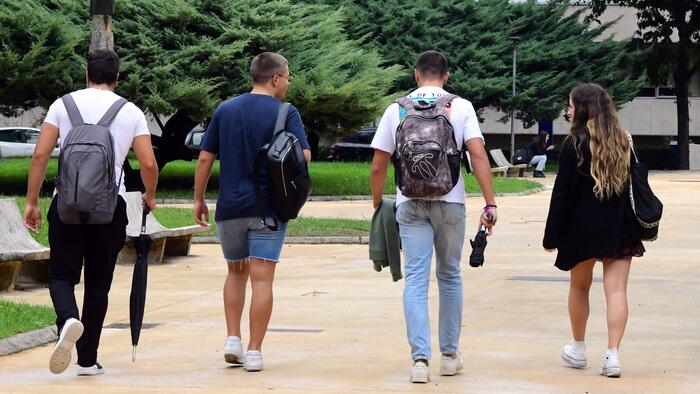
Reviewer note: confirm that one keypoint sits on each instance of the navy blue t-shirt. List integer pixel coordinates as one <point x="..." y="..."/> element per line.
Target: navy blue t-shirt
<point x="236" y="132"/>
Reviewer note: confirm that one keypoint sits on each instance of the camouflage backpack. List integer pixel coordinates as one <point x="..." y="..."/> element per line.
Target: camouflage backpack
<point x="427" y="157"/>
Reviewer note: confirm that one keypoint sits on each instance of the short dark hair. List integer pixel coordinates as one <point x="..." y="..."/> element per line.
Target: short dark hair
<point x="103" y="67"/>
<point x="432" y="64"/>
<point x="266" y="65"/>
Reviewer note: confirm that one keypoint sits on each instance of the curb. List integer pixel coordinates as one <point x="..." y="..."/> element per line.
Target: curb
<point x="349" y="240"/>
<point x="27" y="340"/>
<point x="359" y="198"/>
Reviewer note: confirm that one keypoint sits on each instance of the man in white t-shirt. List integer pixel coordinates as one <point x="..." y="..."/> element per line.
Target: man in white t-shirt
<point x="94" y="245"/>
<point x="437" y="222"/>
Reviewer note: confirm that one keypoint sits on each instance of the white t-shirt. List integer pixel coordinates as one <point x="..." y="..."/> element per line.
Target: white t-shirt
<point x="130" y="122"/>
<point x="463" y="119"/>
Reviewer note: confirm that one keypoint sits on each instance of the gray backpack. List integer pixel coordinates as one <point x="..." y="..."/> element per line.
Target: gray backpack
<point x="427" y="157"/>
<point x="86" y="191"/>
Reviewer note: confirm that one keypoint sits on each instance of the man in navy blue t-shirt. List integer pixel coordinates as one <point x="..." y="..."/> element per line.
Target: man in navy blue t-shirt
<point x="238" y="130"/>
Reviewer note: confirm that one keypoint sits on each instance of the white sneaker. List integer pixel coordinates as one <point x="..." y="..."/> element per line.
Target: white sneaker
<point x="91" y="371"/>
<point x="451" y="365"/>
<point x="611" y="364"/>
<point x="420" y="372"/>
<point x="574" y="354"/>
<point x="253" y="361"/>
<point x="61" y="355"/>
<point x="233" y="351"/>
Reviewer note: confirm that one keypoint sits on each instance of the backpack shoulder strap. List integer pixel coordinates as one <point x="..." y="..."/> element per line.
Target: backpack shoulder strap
<point x="445" y="100"/>
<point x="405" y="102"/>
<point x="112" y="112"/>
<point x="73" y="112"/>
<point x="281" y="121"/>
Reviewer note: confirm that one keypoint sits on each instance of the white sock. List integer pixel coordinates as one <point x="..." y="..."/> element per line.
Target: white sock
<point x="579" y="344"/>
<point x="612" y="351"/>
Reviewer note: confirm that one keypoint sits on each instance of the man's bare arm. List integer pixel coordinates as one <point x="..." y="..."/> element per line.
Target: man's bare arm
<point x="37" y="170"/>
<point x="380" y="162"/>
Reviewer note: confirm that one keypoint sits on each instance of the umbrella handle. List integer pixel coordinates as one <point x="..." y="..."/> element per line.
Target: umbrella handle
<point x="146" y="211"/>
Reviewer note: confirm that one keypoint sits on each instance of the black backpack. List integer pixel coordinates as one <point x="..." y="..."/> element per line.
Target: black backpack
<point x="520" y="157"/>
<point x="287" y="172"/>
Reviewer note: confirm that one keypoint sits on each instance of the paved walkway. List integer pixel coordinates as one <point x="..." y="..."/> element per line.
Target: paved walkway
<point x="338" y="325"/>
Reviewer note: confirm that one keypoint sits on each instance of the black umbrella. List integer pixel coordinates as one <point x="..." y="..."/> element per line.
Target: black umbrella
<point x="137" y="300"/>
<point x="476" y="259"/>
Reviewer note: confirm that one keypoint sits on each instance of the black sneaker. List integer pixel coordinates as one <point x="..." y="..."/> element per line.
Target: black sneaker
<point x="538" y="174"/>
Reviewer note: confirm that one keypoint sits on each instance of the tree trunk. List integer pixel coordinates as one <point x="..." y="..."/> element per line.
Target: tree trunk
<point x="682" y="76"/>
<point x="101" y="36"/>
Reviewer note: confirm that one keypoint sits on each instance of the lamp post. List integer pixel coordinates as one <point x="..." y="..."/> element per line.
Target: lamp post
<point x="514" y="40"/>
<point x="101" y="36"/>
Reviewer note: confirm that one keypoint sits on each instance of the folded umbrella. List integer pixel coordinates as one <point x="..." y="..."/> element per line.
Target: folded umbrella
<point x="137" y="300"/>
<point x="476" y="258"/>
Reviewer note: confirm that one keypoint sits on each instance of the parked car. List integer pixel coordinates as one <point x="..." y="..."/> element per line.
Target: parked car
<point x="20" y="142"/>
<point x="193" y="141"/>
<point x="354" y="146"/>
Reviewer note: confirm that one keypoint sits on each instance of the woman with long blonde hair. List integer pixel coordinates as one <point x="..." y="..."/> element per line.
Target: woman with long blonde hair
<point x="590" y="219"/>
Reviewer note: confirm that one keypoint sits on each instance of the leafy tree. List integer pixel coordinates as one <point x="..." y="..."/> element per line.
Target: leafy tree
<point x="671" y="30"/>
<point x="38" y="61"/>
<point x="555" y="52"/>
<point x="180" y="58"/>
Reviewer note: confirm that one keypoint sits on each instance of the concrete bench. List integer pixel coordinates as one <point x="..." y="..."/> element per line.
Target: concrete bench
<point x="166" y="241"/>
<point x="20" y="254"/>
<point x="501" y="161"/>
<point x="495" y="171"/>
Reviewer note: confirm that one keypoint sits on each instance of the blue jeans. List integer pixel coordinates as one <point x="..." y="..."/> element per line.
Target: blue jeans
<point x="540" y="161"/>
<point x="249" y="237"/>
<point x="422" y="225"/>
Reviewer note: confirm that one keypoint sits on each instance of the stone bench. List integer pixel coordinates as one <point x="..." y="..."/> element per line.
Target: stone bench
<point x="166" y="241"/>
<point x="495" y="171"/>
<point x="20" y="254"/>
<point x="501" y="161"/>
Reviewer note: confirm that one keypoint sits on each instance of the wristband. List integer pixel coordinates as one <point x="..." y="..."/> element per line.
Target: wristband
<point x="490" y="206"/>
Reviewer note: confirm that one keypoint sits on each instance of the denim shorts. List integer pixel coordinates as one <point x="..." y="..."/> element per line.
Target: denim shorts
<point x="248" y="237"/>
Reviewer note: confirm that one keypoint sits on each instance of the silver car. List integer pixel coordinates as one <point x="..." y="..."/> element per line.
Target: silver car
<point x="20" y="142"/>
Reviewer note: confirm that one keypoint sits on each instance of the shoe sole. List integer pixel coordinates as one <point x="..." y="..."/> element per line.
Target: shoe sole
<point x="61" y="355"/>
<point x="253" y="369"/>
<point x="613" y="372"/>
<point x="420" y="378"/>
<point x="233" y="358"/>
<point x="450" y="371"/>
<point x="101" y="372"/>
<point x="573" y="363"/>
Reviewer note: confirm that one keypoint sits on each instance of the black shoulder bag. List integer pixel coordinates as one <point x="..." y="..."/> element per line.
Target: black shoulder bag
<point x="287" y="173"/>
<point x="646" y="206"/>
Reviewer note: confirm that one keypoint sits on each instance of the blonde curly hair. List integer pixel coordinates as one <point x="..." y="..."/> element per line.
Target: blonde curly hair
<point x="595" y="122"/>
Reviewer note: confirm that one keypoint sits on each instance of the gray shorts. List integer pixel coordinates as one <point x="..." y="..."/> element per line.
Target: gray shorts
<point x="248" y="237"/>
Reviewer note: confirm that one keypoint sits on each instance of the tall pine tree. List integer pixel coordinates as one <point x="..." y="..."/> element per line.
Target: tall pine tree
<point x="556" y="51"/>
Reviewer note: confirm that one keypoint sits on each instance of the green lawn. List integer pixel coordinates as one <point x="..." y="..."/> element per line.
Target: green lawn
<point x="176" y="179"/>
<point x="16" y="318"/>
<point x="300" y="227"/>
<point x="178" y="217"/>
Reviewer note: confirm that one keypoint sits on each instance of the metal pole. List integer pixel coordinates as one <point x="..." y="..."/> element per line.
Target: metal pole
<point x="512" y="111"/>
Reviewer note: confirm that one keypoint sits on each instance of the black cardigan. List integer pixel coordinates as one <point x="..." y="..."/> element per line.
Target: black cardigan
<point x="579" y="225"/>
